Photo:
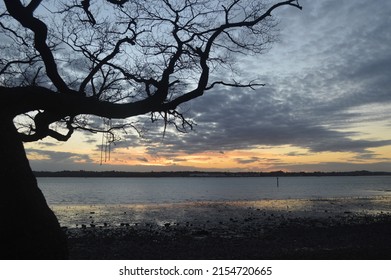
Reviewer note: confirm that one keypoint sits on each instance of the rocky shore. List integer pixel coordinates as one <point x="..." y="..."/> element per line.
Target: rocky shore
<point x="301" y="238"/>
<point x="353" y="228"/>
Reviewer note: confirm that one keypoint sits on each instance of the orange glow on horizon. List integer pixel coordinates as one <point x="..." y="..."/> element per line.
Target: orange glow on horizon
<point x="285" y="158"/>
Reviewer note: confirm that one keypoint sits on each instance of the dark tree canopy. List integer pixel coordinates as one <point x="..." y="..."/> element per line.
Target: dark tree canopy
<point x="65" y="60"/>
<point x="64" y="63"/>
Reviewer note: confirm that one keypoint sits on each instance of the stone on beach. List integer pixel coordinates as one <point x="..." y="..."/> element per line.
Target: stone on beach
<point x="246" y="223"/>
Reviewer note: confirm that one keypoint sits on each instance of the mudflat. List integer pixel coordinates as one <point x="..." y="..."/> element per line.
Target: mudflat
<point x="343" y="228"/>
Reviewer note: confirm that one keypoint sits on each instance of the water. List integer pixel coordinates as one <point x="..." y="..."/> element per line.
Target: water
<point x="86" y="191"/>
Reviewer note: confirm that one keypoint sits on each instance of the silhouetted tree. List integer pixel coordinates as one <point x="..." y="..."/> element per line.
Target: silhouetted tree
<point x="62" y="64"/>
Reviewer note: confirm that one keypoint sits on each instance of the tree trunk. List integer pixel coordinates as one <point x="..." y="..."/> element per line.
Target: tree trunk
<point x="28" y="227"/>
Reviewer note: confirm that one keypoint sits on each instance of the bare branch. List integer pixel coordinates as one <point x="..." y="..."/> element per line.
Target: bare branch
<point x="104" y="61"/>
<point x="251" y="85"/>
<point x="28" y="61"/>
<point x="118" y="2"/>
<point x="33" y="5"/>
<point x="26" y="18"/>
<point x="127" y="58"/>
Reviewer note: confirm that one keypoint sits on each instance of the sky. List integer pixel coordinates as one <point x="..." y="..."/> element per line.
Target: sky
<point x="326" y="106"/>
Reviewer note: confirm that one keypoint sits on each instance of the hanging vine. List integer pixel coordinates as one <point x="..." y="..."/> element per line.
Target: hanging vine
<point x="107" y="140"/>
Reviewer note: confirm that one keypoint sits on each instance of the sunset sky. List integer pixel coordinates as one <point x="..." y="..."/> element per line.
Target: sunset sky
<point x="326" y="106"/>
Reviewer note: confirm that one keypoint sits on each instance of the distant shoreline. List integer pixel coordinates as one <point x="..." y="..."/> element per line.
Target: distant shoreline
<point x="162" y="174"/>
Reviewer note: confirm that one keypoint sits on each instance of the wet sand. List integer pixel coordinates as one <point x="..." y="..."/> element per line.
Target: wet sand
<point x="346" y="228"/>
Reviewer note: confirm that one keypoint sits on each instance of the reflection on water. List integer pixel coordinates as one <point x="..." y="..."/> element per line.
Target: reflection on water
<point x="211" y="202"/>
<point x="215" y="214"/>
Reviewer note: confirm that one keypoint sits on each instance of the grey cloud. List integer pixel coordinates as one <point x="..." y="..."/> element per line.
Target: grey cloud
<point x="247" y="160"/>
<point x="366" y="156"/>
<point x="90" y="141"/>
<point x="143" y="159"/>
<point x="296" y="154"/>
<point x="337" y="59"/>
<point x="344" y="145"/>
<point x="178" y="159"/>
<point x="60" y="157"/>
<point x="259" y="119"/>
<point x="333" y="166"/>
<point x="47" y="144"/>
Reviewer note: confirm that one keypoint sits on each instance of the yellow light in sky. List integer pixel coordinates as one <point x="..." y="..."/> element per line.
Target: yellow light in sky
<point x="257" y="159"/>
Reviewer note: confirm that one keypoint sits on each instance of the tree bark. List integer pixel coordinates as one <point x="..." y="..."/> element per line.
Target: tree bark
<point x="28" y="227"/>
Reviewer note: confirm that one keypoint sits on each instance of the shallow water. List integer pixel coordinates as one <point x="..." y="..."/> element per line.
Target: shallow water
<point x="86" y="191"/>
<point x="217" y="214"/>
<point x="211" y="202"/>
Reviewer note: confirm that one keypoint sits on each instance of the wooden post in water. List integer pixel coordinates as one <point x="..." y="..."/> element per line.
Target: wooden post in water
<point x="278" y="183"/>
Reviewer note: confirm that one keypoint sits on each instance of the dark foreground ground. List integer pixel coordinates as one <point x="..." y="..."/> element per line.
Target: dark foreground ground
<point x="275" y="236"/>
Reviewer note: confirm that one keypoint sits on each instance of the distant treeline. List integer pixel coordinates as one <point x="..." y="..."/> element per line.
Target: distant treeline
<point x="83" y="173"/>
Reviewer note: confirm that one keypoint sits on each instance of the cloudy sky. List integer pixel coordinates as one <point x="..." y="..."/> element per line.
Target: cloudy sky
<point x="326" y="105"/>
